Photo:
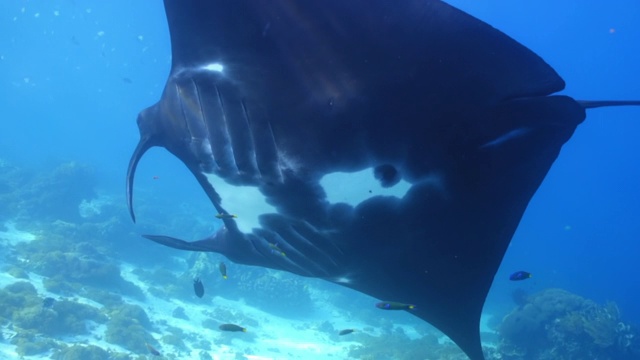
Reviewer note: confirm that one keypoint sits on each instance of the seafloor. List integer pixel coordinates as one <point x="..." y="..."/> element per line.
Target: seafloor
<point x="113" y="295"/>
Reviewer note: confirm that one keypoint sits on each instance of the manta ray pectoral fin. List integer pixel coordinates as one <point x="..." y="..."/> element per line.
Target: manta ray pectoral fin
<point x="591" y="104"/>
<point x="247" y="249"/>
<point x="205" y="245"/>
<point x="304" y="90"/>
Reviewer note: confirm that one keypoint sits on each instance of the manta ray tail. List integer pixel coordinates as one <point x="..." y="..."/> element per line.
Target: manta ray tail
<point x="590" y="104"/>
<point x="141" y="148"/>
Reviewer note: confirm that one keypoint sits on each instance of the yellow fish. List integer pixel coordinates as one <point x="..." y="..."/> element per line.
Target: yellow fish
<point x="276" y="250"/>
<point x="223" y="270"/>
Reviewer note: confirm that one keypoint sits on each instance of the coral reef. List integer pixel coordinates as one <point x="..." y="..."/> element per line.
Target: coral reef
<point x="179" y="313"/>
<point x="95" y="207"/>
<point x="203" y="355"/>
<point x="16" y="297"/>
<point x="17" y="272"/>
<point x="555" y="324"/>
<point x="103" y="297"/>
<point x="80" y="352"/>
<point x="395" y="344"/>
<point x="89" y="352"/>
<point x="164" y="284"/>
<point x="72" y="265"/>
<point x="29" y="343"/>
<point x="58" y="285"/>
<point x="21" y="305"/>
<point x="12" y="179"/>
<point x="203" y="344"/>
<point x="75" y="267"/>
<point x="63" y="318"/>
<point x="48" y="195"/>
<point x="127" y="327"/>
<point x="175" y="341"/>
<point x="210" y="324"/>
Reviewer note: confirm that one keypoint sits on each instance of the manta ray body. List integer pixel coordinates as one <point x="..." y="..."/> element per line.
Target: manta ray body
<point x="453" y="122"/>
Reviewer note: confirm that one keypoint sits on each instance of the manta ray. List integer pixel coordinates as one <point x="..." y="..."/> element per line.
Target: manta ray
<point x="443" y="126"/>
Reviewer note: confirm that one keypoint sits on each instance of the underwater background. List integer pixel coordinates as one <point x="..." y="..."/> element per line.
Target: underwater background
<point x="75" y="74"/>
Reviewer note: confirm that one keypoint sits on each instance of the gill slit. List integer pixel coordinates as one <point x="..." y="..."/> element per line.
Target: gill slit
<point x="253" y="142"/>
<point x="225" y="125"/>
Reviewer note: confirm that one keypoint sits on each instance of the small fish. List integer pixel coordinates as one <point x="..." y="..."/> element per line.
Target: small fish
<point x="156" y="177"/>
<point x="346" y="332"/>
<point x="276" y="250"/>
<point x="519" y="275"/>
<point x="126" y="80"/>
<point x="226" y="216"/>
<point x="152" y="350"/>
<point x="198" y="287"/>
<point x="232" y="328"/>
<point x="223" y="270"/>
<point x="47" y="302"/>
<point x="392" y="305"/>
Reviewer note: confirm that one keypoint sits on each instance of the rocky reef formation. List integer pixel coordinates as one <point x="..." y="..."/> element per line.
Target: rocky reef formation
<point x="395" y="344"/>
<point x="21" y="307"/>
<point x="46" y="195"/>
<point x="129" y="327"/>
<point x="71" y="264"/>
<point x="36" y="328"/>
<point x="556" y="324"/>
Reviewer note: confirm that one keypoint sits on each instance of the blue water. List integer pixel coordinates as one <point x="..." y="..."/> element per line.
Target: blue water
<point x="75" y="74"/>
<point x="581" y="229"/>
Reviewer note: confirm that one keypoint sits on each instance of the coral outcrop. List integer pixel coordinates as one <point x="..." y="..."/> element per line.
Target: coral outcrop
<point x="556" y="324"/>
<point x="48" y="195"/>
<point x="128" y="327"/>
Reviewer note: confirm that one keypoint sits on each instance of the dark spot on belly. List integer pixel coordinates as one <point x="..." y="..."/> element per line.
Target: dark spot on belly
<point x="388" y="175"/>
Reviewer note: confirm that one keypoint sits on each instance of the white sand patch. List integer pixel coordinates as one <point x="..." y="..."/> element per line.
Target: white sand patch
<point x="6" y="279"/>
<point x="485" y="319"/>
<point x="269" y="337"/>
<point x="7" y="351"/>
<point x="14" y="236"/>
<point x="273" y="338"/>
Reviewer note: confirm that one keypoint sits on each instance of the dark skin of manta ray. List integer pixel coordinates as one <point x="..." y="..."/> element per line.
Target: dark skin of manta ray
<point x="277" y="94"/>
